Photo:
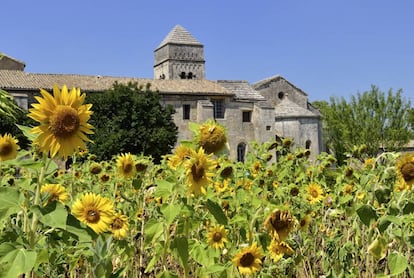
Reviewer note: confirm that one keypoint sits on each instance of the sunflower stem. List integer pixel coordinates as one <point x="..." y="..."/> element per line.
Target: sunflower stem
<point x="37" y="193"/>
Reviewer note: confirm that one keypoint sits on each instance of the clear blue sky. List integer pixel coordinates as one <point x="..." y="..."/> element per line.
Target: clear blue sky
<point x="325" y="47"/>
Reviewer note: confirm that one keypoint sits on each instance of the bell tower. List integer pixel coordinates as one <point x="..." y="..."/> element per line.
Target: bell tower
<point x="179" y="56"/>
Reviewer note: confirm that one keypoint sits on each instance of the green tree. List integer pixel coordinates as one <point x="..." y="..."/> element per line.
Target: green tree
<point x="373" y="119"/>
<point x="12" y="115"/>
<point x="130" y="118"/>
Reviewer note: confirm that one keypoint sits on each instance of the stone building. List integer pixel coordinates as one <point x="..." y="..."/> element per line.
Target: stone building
<point x="270" y="109"/>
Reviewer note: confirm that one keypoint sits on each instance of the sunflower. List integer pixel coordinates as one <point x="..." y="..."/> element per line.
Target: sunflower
<point x="304" y="222"/>
<point x="181" y="154"/>
<point x="348" y="189"/>
<point x="226" y="172"/>
<point x="8" y="147"/>
<point x="277" y="249"/>
<point x="249" y="260"/>
<point x="256" y="168"/>
<point x="280" y="223"/>
<point x="221" y="186"/>
<point x="315" y="193"/>
<point x="56" y="193"/>
<point x="95" y="211"/>
<point x="217" y="236"/>
<point x="120" y="226"/>
<point x="95" y="169"/>
<point x="126" y="165"/>
<point x="199" y="171"/>
<point x="63" y="121"/>
<point x="212" y="137"/>
<point x="405" y="169"/>
<point x="104" y="177"/>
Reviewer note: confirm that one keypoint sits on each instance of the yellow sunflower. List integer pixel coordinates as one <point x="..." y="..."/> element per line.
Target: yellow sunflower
<point x="405" y="169"/>
<point x="279" y="224"/>
<point x="126" y="165"/>
<point x="249" y="260"/>
<point x="56" y="193"/>
<point x="95" y="211"/>
<point x="8" y="147"/>
<point x="63" y="121"/>
<point x="278" y="249"/>
<point x="200" y="169"/>
<point x="315" y="193"/>
<point x="212" y="137"/>
<point x="120" y="226"/>
<point x="181" y="154"/>
<point x="217" y="236"/>
<point x="221" y="186"/>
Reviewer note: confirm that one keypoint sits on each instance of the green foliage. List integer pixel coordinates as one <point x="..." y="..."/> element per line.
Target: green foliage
<point x="11" y="117"/>
<point x="130" y="118"/>
<point x="374" y="120"/>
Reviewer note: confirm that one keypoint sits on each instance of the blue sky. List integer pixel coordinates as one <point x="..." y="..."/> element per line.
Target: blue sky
<point x="325" y="47"/>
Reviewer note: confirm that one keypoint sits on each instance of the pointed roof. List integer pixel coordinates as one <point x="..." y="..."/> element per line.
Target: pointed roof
<point x="179" y="35"/>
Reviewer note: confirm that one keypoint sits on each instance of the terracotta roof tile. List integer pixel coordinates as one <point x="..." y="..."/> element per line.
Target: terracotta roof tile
<point x="20" y="80"/>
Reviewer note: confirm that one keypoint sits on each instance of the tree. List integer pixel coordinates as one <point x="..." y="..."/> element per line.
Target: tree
<point x="11" y="115"/>
<point x="373" y="119"/>
<point x="130" y="118"/>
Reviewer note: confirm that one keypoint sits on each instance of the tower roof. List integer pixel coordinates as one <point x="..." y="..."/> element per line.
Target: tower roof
<point x="179" y="35"/>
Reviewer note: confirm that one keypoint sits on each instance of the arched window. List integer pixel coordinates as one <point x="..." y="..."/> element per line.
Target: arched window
<point x="182" y="75"/>
<point x="308" y="144"/>
<point x="281" y="95"/>
<point x="241" y="152"/>
<point x="190" y="75"/>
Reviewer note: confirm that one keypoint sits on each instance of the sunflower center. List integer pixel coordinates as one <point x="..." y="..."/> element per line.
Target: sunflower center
<point x="92" y="216"/>
<point x="54" y="197"/>
<point x="314" y="193"/>
<point x="127" y="168"/>
<point x="407" y="171"/>
<point x="226" y="172"/>
<point x="197" y="171"/>
<point x="117" y="224"/>
<point x="217" y="237"/>
<point x="64" y="122"/>
<point x="247" y="260"/>
<point x="5" y="148"/>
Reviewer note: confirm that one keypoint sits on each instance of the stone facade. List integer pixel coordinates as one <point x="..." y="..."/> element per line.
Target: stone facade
<point x="265" y="111"/>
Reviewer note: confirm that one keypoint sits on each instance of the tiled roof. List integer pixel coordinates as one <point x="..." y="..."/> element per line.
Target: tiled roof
<point x="275" y="78"/>
<point x="20" y="80"/>
<point x="241" y="89"/>
<point x="287" y="109"/>
<point x="179" y="35"/>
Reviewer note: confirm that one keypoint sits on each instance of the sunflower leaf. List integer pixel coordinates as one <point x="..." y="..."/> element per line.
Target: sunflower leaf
<point x="397" y="263"/>
<point x="367" y="214"/>
<point x="217" y="212"/>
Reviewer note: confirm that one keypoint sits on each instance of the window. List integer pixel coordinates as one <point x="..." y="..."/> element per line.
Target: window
<point x="190" y="75"/>
<point x="247" y="116"/>
<point x="182" y="75"/>
<point x="218" y="108"/>
<point x="281" y="95"/>
<point x="241" y="152"/>
<point x="186" y="111"/>
<point x="308" y="144"/>
<point x="268" y="127"/>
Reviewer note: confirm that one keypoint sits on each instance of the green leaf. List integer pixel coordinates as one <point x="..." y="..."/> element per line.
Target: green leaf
<point x="53" y="215"/>
<point x="217" y="212"/>
<point x="153" y="230"/>
<point x="215" y="268"/>
<point x="408" y="207"/>
<point x="397" y="263"/>
<point x="83" y="234"/>
<point x="181" y="245"/>
<point x="170" y="211"/>
<point x="26" y="132"/>
<point x="10" y="200"/>
<point x="16" y="262"/>
<point x="164" y="188"/>
<point x="367" y="214"/>
<point x="385" y="221"/>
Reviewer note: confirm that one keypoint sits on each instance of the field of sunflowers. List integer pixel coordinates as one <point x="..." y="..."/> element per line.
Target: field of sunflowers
<point x="197" y="213"/>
